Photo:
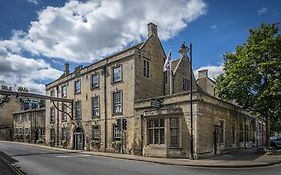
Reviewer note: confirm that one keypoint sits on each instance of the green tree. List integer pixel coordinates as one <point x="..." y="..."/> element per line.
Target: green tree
<point x="252" y="77"/>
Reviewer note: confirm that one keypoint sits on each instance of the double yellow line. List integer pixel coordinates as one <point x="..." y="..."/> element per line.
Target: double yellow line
<point x="10" y="166"/>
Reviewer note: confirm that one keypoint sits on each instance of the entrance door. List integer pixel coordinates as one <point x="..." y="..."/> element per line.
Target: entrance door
<point x="216" y="138"/>
<point x="78" y="139"/>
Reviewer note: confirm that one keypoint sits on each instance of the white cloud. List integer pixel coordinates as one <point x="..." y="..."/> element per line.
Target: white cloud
<point x="262" y="11"/>
<point x="213" y="71"/>
<point x="16" y="71"/>
<point x="83" y="32"/>
<point x="213" y="26"/>
<point x="33" y="1"/>
<point x="87" y="31"/>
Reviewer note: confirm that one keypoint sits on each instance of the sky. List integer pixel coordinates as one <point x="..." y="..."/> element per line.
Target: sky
<point x="38" y="36"/>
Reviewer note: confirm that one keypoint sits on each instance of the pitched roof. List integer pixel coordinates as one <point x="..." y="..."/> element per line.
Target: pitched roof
<point x="174" y="64"/>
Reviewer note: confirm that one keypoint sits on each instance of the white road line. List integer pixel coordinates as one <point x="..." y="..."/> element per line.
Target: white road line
<point x="75" y="156"/>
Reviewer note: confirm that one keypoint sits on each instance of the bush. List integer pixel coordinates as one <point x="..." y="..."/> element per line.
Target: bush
<point x="95" y="143"/>
<point x="117" y="145"/>
<point x="39" y="141"/>
<point x="52" y="142"/>
<point x="64" y="143"/>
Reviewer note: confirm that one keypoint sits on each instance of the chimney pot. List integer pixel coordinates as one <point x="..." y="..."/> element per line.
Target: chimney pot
<point x="203" y="73"/>
<point x="152" y="29"/>
<point x="66" y="69"/>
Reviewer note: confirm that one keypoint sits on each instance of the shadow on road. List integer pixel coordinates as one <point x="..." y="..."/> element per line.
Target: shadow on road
<point x="241" y="154"/>
<point x="41" y="153"/>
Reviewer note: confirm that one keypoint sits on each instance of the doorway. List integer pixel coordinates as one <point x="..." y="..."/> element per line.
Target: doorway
<point x="78" y="139"/>
<point x="216" y="138"/>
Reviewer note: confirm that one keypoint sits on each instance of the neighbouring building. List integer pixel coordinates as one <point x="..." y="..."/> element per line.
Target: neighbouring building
<point x="6" y="117"/>
<point x="29" y="125"/>
<point x="129" y="90"/>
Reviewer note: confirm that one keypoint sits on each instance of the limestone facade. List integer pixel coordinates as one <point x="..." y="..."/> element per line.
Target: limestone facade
<point x="29" y="125"/>
<point x="6" y="117"/>
<point x="130" y="87"/>
<point x="105" y="92"/>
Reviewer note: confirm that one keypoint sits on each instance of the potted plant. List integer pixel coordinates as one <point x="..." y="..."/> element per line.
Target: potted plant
<point x="64" y="143"/>
<point x="52" y="143"/>
<point x="117" y="145"/>
<point x="95" y="144"/>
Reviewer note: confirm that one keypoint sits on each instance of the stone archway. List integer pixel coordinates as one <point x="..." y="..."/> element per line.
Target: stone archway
<point x="78" y="139"/>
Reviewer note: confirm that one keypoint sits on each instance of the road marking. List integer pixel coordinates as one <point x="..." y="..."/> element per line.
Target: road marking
<point x="75" y="156"/>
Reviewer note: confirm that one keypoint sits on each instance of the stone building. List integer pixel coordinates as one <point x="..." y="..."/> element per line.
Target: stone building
<point x="6" y="117"/>
<point x="104" y="92"/>
<point x="129" y="88"/>
<point x="218" y="126"/>
<point x="29" y="125"/>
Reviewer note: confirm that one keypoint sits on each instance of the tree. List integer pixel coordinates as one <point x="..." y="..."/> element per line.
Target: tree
<point x="252" y="77"/>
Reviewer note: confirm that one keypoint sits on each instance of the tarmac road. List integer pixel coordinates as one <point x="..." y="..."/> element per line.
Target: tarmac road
<point x="44" y="161"/>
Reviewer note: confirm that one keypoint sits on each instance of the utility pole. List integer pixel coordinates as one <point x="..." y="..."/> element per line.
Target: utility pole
<point x="191" y="115"/>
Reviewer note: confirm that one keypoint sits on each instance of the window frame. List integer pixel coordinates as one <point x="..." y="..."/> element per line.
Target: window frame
<point x="146" y="68"/>
<point x="63" y="114"/>
<point x="95" y="107"/>
<point x="63" y="93"/>
<point x="96" y="132"/>
<point x="77" y="91"/>
<point x="64" y="134"/>
<point x="78" y="111"/>
<point x="116" y="133"/>
<point x="177" y="128"/>
<point x="113" y="74"/>
<point x="52" y="115"/>
<point x="52" y="134"/>
<point x="98" y="81"/>
<point x="155" y="138"/>
<point x="120" y="104"/>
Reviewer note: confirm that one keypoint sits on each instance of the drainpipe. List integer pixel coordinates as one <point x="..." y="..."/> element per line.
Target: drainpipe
<point x="105" y="110"/>
<point x="58" y="127"/>
<point x="141" y="118"/>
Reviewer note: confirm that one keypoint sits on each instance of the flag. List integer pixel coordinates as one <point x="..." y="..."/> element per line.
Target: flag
<point x="167" y="65"/>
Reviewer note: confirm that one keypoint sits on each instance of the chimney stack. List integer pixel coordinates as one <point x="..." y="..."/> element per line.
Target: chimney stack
<point x="66" y="69"/>
<point x="152" y="29"/>
<point x="183" y="50"/>
<point x="203" y="73"/>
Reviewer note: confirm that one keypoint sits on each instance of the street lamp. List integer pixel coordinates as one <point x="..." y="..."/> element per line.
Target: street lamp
<point x="191" y="113"/>
<point x="183" y="52"/>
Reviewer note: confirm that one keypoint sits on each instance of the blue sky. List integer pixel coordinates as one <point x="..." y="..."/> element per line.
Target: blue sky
<point x="38" y="36"/>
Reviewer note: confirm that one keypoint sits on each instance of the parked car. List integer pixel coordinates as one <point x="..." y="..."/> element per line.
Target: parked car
<point x="275" y="142"/>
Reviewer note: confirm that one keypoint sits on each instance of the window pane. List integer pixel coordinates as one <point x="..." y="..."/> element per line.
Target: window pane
<point x="117" y="106"/>
<point x="156" y="136"/>
<point x="63" y="91"/>
<point x="162" y="123"/>
<point x="95" y="103"/>
<point x="150" y="135"/>
<point x="95" y="81"/>
<point x="156" y="123"/>
<point x="162" y="135"/>
<point x="78" y="109"/>
<point x="78" y="86"/>
<point x="151" y="123"/>
<point x="116" y="74"/>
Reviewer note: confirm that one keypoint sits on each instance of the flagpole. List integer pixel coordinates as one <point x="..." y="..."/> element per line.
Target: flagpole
<point x="171" y="74"/>
<point x="171" y="80"/>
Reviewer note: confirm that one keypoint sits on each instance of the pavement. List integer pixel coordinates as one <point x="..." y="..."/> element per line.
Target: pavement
<point x="242" y="158"/>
